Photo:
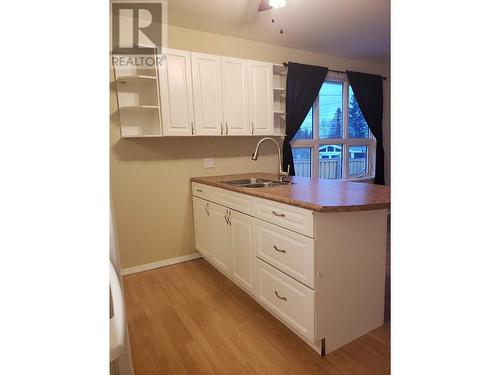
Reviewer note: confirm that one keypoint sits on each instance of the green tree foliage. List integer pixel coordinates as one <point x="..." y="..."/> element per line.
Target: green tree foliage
<point x="303" y="133"/>
<point x="358" y="128"/>
<point x="336" y="125"/>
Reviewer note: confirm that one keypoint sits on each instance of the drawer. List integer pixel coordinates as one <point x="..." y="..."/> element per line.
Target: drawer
<point x="288" y="251"/>
<point x="291" y="301"/>
<point x="200" y="190"/>
<point x="235" y="201"/>
<point x="290" y="217"/>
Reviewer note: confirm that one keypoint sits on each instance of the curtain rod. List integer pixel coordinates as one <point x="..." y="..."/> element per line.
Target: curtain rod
<point x="330" y="70"/>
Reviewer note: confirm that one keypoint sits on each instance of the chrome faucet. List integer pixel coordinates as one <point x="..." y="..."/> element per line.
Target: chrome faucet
<point x="281" y="174"/>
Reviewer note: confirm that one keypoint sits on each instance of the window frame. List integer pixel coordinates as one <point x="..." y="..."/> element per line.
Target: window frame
<point x="315" y="143"/>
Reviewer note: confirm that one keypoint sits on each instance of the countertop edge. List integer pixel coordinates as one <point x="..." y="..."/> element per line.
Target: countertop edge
<point x="302" y="204"/>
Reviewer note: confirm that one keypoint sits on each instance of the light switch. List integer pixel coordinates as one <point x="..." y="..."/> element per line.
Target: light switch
<point x="209" y="163"/>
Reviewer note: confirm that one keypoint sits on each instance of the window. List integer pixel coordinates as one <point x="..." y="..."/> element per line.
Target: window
<point x="302" y="160"/>
<point x="334" y="140"/>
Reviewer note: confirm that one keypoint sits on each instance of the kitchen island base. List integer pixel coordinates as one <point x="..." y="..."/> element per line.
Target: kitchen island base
<point x="320" y="273"/>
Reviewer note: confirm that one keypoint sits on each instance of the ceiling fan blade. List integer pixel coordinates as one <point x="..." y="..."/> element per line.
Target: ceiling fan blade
<point x="264" y="5"/>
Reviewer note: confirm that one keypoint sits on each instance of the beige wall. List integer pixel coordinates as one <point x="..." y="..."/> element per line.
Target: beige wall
<point x="150" y="177"/>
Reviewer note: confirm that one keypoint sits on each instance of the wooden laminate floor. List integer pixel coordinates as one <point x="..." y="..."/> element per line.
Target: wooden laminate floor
<point x="190" y="319"/>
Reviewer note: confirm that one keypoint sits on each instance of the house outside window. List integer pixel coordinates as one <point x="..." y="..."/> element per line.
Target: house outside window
<point x="334" y="140"/>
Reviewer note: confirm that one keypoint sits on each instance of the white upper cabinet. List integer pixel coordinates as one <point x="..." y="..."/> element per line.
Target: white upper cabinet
<point x="235" y="96"/>
<point x="176" y="94"/>
<point x="198" y="94"/>
<point x="260" y="84"/>
<point x="207" y="94"/>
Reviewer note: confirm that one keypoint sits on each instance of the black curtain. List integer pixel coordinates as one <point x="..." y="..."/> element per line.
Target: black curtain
<point x="368" y="91"/>
<point x="303" y="83"/>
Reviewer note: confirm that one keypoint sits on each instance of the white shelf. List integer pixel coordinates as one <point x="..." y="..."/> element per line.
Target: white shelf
<point x="280" y="114"/>
<point x="138" y="96"/>
<point x="279" y="69"/>
<point x="138" y="79"/>
<point x="142" y="136"/>
<point x="279" y="92"/>
<point x="140" y="107"/>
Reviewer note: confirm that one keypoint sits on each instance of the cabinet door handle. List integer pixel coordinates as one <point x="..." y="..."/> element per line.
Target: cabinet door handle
<point x="225" y="217"/>
<point x="279" y="250"/>
<point x="192" y="128"/>
<point x="221" y="129"/>
<point x="229" y="217"/>
<point x="277" y="214"/>
<point x="277" y="295"/>
<point x="206" y="210"/>
<point x="252" y="127"/>
<point x="226" y="128"/>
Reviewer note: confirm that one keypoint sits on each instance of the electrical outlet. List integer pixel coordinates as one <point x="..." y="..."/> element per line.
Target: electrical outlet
<point x="209" y="162"/>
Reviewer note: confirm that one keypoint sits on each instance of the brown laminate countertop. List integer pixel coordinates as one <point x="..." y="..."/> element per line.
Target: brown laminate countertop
<point x="316" y="194"/>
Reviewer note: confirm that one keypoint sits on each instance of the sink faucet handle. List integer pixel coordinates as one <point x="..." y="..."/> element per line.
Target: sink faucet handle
<point x="287" y="173"/>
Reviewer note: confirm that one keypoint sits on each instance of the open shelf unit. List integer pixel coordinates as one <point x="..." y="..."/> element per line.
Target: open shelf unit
<point x="279" y="98"/>
<point x="138" y="92"/>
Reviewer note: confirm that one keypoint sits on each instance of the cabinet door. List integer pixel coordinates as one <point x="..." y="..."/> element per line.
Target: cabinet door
<point x="291" y="301"/>
<point x="235" y="96"/>
<point x="242" y="249"/>
<point x="176" y="94"/>
<point x="201" y="213"/>
<point x="220" y="239"/>
<point x="260" y="92"/>
<point x="207" y="94"/>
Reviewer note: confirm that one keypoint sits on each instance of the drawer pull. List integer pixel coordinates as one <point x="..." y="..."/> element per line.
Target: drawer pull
<point x="277" y="295"/>
<point x="279" y="250"/>
<point x="199" y="190"/>
<point x="277" y="214"/>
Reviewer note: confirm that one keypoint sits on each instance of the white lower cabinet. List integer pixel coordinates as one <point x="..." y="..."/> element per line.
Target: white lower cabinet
<point x="286" y="250"/>
<point x="202" y="226"/>
<point x="287" y="298"/>
<point x="242" y="249"/>
<point x="321" y="274"/>
<point x="220" y="243"/>
<point x="225" y="238"/>
<point x="233" y="241"/>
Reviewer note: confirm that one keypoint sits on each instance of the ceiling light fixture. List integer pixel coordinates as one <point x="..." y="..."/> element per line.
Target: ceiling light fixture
<point x="277" y="3"/>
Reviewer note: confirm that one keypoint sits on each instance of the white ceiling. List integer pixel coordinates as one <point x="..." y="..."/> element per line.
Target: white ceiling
<point x="355" y="29"/>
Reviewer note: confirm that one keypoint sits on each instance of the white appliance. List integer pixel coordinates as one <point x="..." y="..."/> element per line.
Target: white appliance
<point x="120" y="360"/>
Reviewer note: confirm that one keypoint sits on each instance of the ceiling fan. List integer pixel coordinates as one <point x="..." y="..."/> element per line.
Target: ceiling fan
<point x="269" y="4"/>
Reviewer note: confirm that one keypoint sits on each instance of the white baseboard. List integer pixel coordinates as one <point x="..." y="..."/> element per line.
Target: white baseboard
<point x="161" y="263"/>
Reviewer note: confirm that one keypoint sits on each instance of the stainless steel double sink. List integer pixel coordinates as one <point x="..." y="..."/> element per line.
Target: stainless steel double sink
<point x="253" y="183"/>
